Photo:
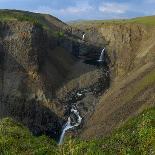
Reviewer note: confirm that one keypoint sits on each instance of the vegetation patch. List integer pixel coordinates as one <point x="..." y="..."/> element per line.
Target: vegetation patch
<point x="16" y="139"/>
<point x="137" y="136"/>
<point x="147" y="20"/>
<point x="145" y="82"/>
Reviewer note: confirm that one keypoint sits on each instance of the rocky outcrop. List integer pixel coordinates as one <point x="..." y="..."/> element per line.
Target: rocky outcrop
<point x="28" y="76"/>
<point x="130" y="48"/>
<point x="40" y="75"/>
<point x="44" y="71"/>
<point x="128" y="45"/>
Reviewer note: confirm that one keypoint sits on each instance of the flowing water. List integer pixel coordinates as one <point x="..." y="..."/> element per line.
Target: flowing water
<point x="101" y="58"/>
<point x="83" y="36"/>
<point x="70" y="124"/>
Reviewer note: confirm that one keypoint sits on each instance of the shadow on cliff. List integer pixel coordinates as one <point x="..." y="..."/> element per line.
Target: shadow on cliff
<point x="28" y="110"/>
<point x="87" y="56"/>
<point x="15" y="102"/>
<point x="59" y="66"/>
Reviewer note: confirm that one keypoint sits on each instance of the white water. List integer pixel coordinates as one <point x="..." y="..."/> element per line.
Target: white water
<point x="83" y="37"/>
<point x="101" y="56"/>
<point x="68" y="124"/>
<point x="79" y="94"/>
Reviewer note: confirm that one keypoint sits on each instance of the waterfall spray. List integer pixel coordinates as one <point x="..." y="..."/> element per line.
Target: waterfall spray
<point x="101" y="58"/>
<point x="83" y="36"/>
<point x="69" y="125"/>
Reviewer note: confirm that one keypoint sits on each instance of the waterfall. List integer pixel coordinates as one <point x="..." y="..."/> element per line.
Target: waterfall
<point x="83" y="36"/>
<point x="101" y="58"/>
<point x="79" y="94"/>
<point x="68" y="125"/>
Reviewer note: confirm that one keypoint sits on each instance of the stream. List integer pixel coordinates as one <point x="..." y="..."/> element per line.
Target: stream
<point x="73" y="121"/>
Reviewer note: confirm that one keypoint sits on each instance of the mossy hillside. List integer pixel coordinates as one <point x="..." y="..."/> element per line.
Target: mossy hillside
<point x="147" y="21"/>
<point x="35" y="18"/>
<point x="136" y="136"/>
<point x="16" y="139"/>
<point x="141" y="85"/>
<point x="20" y="16"/>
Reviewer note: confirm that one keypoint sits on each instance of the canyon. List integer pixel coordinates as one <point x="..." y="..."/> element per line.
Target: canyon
<point x="48" y="66"/>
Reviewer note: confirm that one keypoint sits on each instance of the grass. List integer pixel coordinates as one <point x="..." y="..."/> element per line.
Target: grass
<point x="145" y="82"/>
<point x="147" y="20"/>
<point x="137" y="136"/>
<point x="16" y="139"/>
<point x="35" y="18"/>
<point x="20" y="16"/>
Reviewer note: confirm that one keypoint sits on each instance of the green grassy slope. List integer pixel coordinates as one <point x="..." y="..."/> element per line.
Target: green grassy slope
<point x="16" y="139"/>
<point x="137" y="136"/>
<point x="47" y="21"/>
<point x="147" y="20"/>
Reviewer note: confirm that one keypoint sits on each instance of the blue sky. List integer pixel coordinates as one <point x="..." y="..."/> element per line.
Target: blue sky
<point x="68" y="10"/>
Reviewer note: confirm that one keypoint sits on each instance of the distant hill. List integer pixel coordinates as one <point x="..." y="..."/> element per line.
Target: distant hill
<point x="146" y="20"/>
<point x="48" y="21"/>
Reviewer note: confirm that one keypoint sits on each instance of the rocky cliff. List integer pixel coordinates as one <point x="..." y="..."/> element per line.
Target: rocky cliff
<point x="129" y="45"/>
<point x="24" y="72"/>
<point x="41" y="73"/>
<point x="45" y="65"/>
<point x="131" y="49"/>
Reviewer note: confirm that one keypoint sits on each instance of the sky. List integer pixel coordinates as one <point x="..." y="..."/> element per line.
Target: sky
<point x="70" y="10"/>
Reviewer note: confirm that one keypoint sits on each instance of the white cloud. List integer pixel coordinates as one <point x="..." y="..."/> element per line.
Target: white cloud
<point x="78" y="8"/>
<point x="43" y="9"/>
<point x="117" y="8"/>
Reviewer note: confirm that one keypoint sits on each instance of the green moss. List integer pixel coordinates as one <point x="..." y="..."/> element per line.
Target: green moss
<point x="16" y="139"/>
<point x="146" y="81"/>
<point x="60" y="34"/>
<point x="147" y="20"/>
<point x="37" y="19"/>
<point x="137" y="136"/>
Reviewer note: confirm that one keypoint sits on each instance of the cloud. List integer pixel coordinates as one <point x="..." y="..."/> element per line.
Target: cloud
<point x="43" y="9"/>
<point x="78" y="8"/>
<point x="117" y="8"/>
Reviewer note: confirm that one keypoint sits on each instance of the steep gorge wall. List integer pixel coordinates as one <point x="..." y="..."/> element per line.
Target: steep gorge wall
<point x="38" y="73"/>
<point x="131" y="49"/>
<point x="128" y="45"/>
<point x="30" y="72"/>
<point x="39" y="77"/>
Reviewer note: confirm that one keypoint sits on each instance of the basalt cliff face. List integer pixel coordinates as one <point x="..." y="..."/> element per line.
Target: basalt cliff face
<point x="26" y="66"/>
<point x="41" y="73"/>
<point x="131" y="50"/>
<point x="129" y="45"/>
<point x="43" y="69"/>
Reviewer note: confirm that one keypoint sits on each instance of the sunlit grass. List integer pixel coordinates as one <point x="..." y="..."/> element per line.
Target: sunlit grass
<point x="147" y="20"/>
<point x="137" y="136"/>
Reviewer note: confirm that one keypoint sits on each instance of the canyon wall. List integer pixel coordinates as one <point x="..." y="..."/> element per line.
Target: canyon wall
<point x="128" y="45"/>
<point x="131" y="49"/>
<point x="30" y="71"/>
<point x="41" y="73"/>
